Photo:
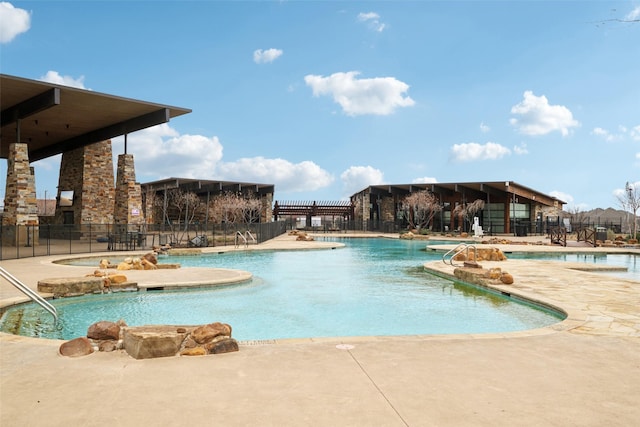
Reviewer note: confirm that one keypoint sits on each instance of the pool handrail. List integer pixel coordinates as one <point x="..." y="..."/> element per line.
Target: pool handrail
<point x="460" y="247"/>
<point x="29" y="292"/>
<point x="244" y="238"/>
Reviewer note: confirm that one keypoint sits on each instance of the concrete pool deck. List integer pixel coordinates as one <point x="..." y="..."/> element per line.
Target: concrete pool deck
<point x="584" y="371"/>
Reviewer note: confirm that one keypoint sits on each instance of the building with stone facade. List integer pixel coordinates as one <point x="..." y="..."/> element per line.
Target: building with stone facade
<point x="155" y="194"/>
<point x="41" y="119"/>
<point x="507" y="205"/>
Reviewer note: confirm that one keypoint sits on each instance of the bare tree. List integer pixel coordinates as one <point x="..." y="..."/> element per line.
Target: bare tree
<point x="179" y="209"/>
<point x="419" y="208"/>
<point x="251" y="210"/>
<point x="630" y="201"/>
<point x="577" y="217"/>
<point x="235" y="209"/>
<point x="469" y="210"/>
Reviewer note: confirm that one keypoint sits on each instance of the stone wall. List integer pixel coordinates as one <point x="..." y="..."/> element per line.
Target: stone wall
<point x="20" y="202"/>
<point x="387" y="209"/>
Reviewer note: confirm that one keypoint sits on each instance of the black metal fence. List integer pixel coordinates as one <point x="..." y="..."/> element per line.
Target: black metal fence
<point x="48" y="239"/>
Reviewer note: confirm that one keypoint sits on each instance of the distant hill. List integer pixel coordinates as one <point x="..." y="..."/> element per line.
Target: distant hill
<point x="602" y="217"/>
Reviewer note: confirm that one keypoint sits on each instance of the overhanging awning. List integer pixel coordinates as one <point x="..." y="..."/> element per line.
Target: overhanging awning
<point x="54" y="118"/>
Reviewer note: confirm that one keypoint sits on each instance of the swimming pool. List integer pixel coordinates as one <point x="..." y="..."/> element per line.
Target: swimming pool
<point x="371" y="287"/>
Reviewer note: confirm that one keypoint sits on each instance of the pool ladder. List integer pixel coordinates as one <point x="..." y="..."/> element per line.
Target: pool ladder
<point x="461" y="247"/>
<point x="245" y="238"/>
<point x="29" y="292"/>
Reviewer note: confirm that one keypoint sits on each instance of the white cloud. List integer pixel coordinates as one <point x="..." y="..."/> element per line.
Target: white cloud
<point x="484" y="128"/>
<point x="472" y="151"/>
<point x="620" y="193"/>
<point x="14" y="21"/>
<point x="286" y="176"/>
<point x="55" y="77"/>
<point x="357" y="178"/>
<point x="562" y="196"/>
<point x="537" y="117"/>
<point x="161" y="152"/>
<point x="373" y="21"/>
<point x="520" y="149"/>
<point x="606" y="135"/>
<point x="622" y="134"/>
<point x="265" y="56"/>
<point x="379" y="95"/>
<point x="634" y="15"/>
<point x="424" y="180"/>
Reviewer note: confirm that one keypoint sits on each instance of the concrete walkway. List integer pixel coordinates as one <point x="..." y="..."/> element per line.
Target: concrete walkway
<point x="584" y="371"/>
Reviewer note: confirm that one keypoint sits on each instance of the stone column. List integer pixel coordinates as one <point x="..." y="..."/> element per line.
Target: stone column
<point x="88" y="172"/>
<point x="20" y="203"/>
<point x="128" y="213"/>
<point x="267" y="210"/>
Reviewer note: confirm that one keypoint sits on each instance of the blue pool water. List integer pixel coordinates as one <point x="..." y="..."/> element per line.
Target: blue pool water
<point x="370" y="287"/>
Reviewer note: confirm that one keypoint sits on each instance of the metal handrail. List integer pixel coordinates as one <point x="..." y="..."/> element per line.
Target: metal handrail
<point x="244" y="238"/>
<point x="29" y="292"/>
<point x="239" y="234"/>
<point x="460" y="247"/>
<point x="248" y="233"/>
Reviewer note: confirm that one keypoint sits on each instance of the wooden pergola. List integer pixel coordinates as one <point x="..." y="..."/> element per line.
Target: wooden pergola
<point x="308" y="209"/>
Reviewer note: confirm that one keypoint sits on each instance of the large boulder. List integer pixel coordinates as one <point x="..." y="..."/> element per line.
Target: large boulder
<point x="225" y="345"/>
<point x="207" y="333"/>
<point x="76" y="347"/>
<point x="104" y="330"/>
<point x="71" y="286"/>
<point x="146" y="342"/>
<point x="152" y="257"/>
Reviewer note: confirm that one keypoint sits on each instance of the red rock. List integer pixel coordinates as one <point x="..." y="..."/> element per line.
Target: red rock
<point x="207" y="333"/>
<point x="506" y="278"/>
<point x="104" y="330"/>
<point x="76" y="347"/>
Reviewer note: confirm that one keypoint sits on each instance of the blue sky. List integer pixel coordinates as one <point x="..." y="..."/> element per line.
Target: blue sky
<point x="323" y="98"/>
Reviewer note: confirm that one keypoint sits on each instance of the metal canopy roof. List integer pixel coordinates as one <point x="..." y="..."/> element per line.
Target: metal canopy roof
<point x="202" y="186"/>
<point x="54" y="118"/>
<point x="472" y="189"/>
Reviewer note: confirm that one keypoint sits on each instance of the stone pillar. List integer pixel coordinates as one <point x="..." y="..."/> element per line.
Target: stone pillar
<point x="20" y="203"/>
<point x="128" y="204"/>
<point x="88" y="172"/>
<point x="266" y="214"/>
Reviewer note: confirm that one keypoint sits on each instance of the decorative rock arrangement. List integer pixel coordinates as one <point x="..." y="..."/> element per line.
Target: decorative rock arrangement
<point x="146" y="342"/>
<point x="72" y="286"/>
<point x="148" y="261"/>
<point x="481" y="254"/>
<point x="484" y="277"/>
<point x="302" y="236"/>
